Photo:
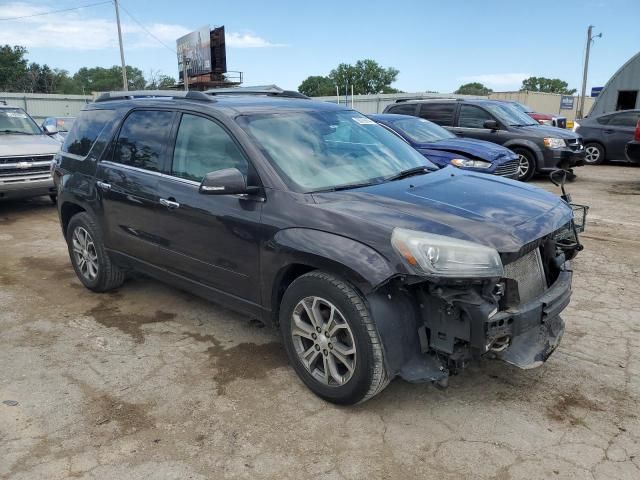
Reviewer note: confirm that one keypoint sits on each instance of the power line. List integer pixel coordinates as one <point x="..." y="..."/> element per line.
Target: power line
<point x="55" y="11"/>
<point x="147" y="31"/>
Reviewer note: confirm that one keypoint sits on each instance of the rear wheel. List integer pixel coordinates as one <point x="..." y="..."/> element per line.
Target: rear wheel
<point x="331" y="340"/>
<point x="526" y="164"/>
<point x="593" y="154"/>
<point x="89" y="258"/>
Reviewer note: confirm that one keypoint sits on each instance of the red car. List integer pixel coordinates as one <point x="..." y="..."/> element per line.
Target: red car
<point x="541" y="118"/>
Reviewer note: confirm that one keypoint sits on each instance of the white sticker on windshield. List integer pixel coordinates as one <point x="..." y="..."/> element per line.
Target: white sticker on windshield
<point x="16" y="115"/>
<point x="363" y="120"/>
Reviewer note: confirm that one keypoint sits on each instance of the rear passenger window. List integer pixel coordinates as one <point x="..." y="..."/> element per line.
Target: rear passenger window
<point x="142" y="139"/>
<point x="473" y="117"/>
<point x="403" y="109"/>
<point x="440" y="113"/>
<point x="86" y="130"/>
<point x="203" y="146"/>
<point x="627" y="119"/>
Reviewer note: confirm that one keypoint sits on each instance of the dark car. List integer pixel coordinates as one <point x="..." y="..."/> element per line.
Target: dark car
<point x="606" y="136"/>
<point x="540" y="148"/>
<point x="632" y="150"/>
<point x="313" y="218"/>
<point x="541" y="118"/>
<point x="444" y="149"/>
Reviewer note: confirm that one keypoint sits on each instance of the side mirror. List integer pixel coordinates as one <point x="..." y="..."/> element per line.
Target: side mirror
<point x="228" y="181"/>
<point x="50" y="130"/>
<point x="490" y="124"/>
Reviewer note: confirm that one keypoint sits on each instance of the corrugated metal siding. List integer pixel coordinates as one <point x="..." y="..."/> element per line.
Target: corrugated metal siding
<point x="544" y="102"/>
<point x="42" y="105"/>
<point x="375" y="103"/>
<point x="626" y="78"/>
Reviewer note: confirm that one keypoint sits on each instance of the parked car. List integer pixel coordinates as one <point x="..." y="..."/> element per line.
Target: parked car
<point x="541" y="118"/>
<point x="540" y="148"/>
<point x="57" y="127"/>
<point x="444" y="149"/>
<point x="605" y="136"/>
<point x="26" y="154"/>
<point x="632" y="150"/>
<point x="313" y="218"/>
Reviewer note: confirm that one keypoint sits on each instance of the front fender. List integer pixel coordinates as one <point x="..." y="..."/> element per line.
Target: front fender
<point x="528" y="144"/>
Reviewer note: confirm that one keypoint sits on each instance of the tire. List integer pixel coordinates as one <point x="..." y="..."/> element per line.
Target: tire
<point x="54" y="198"/>
<point x="594" y="154"/>
<point x="526" y="164"/>
<point x="324" y="293"/>
<point x="104" y="275"/>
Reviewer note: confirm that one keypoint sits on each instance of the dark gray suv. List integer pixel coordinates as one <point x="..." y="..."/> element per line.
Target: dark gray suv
<point x="540" y="148"/>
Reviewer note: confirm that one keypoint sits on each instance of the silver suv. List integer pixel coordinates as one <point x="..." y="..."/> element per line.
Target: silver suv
<point x="26" y="153"/>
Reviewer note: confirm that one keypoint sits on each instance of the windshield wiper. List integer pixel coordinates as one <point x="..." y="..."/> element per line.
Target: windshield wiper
<point x="410" y="172"/>
<point x="17" y="132"/>
<point x="346" y="186"/>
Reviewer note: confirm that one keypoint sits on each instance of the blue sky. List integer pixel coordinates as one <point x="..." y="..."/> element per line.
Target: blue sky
<point x="436" y="45"/>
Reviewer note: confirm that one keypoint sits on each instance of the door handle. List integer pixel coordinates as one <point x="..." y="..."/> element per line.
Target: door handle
<point x="104" y="186"/>
<point x="608" y="130"/>
<point x="170" y="204"/>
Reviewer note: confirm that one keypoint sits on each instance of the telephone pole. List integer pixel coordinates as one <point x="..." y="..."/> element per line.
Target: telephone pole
<point x="590" y="39"/>
<point x="125" y="85"/>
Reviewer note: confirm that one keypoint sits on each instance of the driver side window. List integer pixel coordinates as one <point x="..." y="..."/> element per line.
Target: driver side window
<point x="203" y="146"/>
<point x="473" y="117"/>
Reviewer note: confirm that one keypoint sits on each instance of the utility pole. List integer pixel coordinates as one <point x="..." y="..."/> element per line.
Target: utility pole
<point x="125" y="84"/>
<point x="590" y="39"/>
<point x="185" y="72"/>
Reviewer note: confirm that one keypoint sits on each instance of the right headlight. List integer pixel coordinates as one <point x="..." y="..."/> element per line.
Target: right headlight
<point x="552" y="142"/>
<point x="465" y="162"/>
<point x="440" y="256"/>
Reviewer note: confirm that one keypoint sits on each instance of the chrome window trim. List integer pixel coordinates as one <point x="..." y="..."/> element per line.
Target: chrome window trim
<point x="150" y="172"/>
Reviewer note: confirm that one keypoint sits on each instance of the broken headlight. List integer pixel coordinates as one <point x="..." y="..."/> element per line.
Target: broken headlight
<point x="440" y="256"/>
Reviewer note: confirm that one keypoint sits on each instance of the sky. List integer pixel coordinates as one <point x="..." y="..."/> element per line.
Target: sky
<point x="436" y="45"/>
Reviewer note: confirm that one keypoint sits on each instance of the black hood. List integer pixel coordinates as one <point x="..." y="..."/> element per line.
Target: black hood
<point x="485" y="209"/>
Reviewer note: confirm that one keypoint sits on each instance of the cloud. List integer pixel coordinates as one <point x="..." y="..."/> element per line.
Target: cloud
<point x="497" y="79"/>
<point x="85" y="30"/>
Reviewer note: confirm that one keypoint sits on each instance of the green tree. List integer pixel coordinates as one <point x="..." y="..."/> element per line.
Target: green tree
<point x="547" y="85"/>
<point x="317" y="86"/>
<point x="366" y="76"/>
<point x="99" y="79"/>
<point x="13" y="66"/>
<point x="473" y="88"/>
<point x="158" y="81"/>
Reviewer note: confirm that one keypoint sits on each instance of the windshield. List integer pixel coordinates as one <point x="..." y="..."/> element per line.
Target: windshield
<point x="15" y="120"/>
<point x="522" y="107"/>
<point x="509" y="114"/>
<point x="419" y="130"/>
<point x="64" y="124"/>
<point x="320" y="150"/>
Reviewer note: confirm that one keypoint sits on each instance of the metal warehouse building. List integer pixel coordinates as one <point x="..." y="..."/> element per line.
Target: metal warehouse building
<point x="622" y="91"/>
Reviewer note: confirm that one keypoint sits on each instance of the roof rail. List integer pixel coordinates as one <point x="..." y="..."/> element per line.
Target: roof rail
<point x="189" y="95"/>
<point x="268" y="90"/>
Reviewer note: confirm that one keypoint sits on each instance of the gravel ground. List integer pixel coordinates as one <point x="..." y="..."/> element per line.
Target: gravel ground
<point x="150" y="382"/>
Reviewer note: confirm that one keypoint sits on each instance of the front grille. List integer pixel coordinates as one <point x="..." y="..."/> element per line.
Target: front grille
<point x="575" y="144"/>
<point x="508" y="169"/>
<point x="528" y="272"/>
<point x="17" y="168"/>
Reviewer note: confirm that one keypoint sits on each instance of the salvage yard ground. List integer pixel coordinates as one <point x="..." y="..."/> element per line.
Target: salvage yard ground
<point x="149" y="382"/>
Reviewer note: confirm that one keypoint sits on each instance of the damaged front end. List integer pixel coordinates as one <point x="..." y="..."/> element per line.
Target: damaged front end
<point x="451" y="321"/>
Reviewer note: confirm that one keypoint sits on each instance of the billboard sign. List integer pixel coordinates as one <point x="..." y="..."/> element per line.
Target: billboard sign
<point x="566" y="102"/>
<point x="195" y="49"/>
<point x="595" y="91"/>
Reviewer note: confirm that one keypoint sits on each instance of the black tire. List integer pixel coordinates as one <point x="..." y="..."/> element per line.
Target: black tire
<point x="594" y="154"/>
<point x="369" y="375"/>
<point x="54" y="198"/>
<point x="108" y="276"/>
<point x="527" y="160"/>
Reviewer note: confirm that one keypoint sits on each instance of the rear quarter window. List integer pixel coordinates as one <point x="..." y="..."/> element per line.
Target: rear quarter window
<point x="403" y="109"/>
<point x="86" y="130"/>
<point x="440" y="113"/>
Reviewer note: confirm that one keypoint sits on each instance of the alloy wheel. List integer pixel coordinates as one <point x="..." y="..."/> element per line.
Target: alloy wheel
<point x="592" y="154"/>
<point x="323" y="341"/>
<point x="85" y="253"/>
<point x="523" y="166"/>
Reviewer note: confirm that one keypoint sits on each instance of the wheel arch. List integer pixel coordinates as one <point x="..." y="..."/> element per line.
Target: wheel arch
<point x="67" y="211"/>
<point x="530" y="147"/>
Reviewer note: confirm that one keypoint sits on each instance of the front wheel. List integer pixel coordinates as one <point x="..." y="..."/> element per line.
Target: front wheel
<point x="593" y="154"/>
<point x="526" y="164"/>
<point x="331" y="340"/>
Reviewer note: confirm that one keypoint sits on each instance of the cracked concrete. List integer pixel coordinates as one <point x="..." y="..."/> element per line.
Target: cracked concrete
<point x="150" y="382"/>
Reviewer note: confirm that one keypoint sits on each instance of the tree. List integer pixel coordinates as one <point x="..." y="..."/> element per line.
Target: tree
<point x="473" y="88"/>
<point x="156" y="80"/>
<point x="547" y="85"/>
<point x="13" y="66"/>
<point x="317" y="86"/>
<point x="99" y="79"/>
<point x="366" y="76"/>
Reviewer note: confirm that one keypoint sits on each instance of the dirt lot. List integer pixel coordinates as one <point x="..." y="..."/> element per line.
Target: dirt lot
<point x="149" y="382"/>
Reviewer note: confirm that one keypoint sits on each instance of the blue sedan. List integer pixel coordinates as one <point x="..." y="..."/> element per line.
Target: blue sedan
<point x="443" y="148"/>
